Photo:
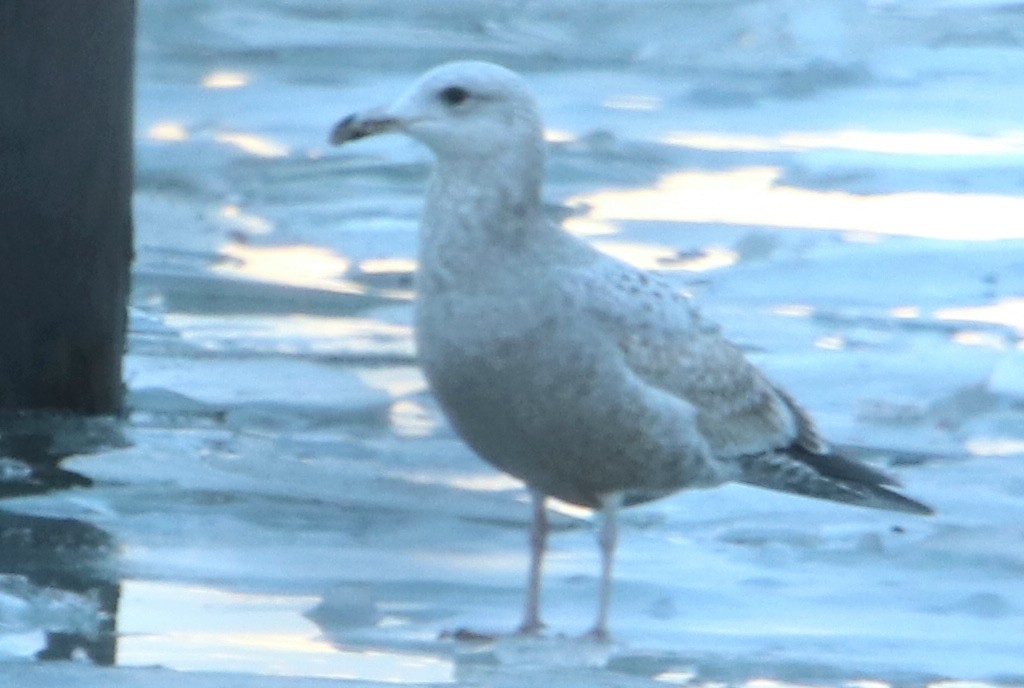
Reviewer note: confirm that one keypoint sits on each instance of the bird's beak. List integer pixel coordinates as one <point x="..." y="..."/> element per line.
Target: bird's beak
<point x="362" y="124"/>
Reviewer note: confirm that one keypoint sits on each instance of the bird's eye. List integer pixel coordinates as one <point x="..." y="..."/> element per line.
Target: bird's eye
<point x="454" y="95"/>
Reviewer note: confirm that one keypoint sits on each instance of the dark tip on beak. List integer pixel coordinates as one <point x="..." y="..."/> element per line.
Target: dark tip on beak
<point x="356" y="127"/>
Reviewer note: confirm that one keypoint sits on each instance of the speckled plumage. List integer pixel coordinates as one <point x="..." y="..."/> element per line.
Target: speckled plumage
<point x="590" y="380"/>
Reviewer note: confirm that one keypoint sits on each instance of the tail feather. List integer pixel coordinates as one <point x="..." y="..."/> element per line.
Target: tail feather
<point x="827" y="476"/>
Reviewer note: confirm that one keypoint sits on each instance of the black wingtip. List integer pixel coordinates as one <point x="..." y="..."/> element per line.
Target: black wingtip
<point x="894" y="501"/>
<point x="872" y="479"/>
<point x="831" y="477"/>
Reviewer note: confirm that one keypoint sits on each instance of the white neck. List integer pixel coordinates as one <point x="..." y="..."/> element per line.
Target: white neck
<point x="480" y="210"/>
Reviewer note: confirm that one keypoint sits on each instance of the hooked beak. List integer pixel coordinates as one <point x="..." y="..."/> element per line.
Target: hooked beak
<point x="360" y="125"/>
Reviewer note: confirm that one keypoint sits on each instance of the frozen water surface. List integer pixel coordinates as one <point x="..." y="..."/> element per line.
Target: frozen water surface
<point x="838" y="182"/>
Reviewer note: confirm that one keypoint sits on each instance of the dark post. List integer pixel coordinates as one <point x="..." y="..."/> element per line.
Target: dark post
<point x="66" y="70"/>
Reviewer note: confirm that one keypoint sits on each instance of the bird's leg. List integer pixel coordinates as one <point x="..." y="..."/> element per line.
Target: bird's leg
<point x="531" y="625"/>
<point x="538" y="543"/>
<point x="607" y="538"/>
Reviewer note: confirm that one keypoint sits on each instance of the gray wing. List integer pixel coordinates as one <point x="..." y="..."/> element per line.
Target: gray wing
<point x="666" y="343"/>
<point x="746" y="419"/>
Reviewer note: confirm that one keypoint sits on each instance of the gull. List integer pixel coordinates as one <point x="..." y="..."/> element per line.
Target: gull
<point x="590" y="380"/>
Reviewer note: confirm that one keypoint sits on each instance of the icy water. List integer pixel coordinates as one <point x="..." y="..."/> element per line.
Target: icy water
<point x="839" y="183"/>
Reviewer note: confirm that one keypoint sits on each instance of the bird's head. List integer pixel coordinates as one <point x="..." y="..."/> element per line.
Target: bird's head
<point x="459" y="110"/>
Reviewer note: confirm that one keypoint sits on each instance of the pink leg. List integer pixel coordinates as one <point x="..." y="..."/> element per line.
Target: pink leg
<point x="607" y="539"/>
<point x="538" y="543"/>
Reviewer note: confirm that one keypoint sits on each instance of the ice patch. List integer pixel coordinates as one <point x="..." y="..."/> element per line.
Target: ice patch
<point x="26" y="607"/>
<point x="1008" y="377"/>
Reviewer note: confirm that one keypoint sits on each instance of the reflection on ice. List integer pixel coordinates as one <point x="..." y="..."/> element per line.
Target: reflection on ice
<point x="979" y="338"/>
<point x="932" y="143"/>
<point x="905" y="312"/>
<point x="224" y="79"/>
<point x="481" y="482"/>
<point x="676" y="676"/>
<point x="260" y="146"/>
<point x="297" y="266"/>
<point x="995" y="446"/>
<point x="397" y="382"/>
<point x="632" y="101"/>
<point x="410" y="419"/>
<point x="832" y="342"/>
<point x="167" y="130"/>
<point x="866" y="683"/>
<point x="753" y="196"/>
<point x="243" y="221"/>
<point x="193" y="628"/>
<point x="375" y="266"/>
<point x="295" y="334"/>
<point x="772" y="683"/>
<point x="558" y="136"/>
<point x="393" y="274"/>
<point x="793" y="310"/>
<point x="1009" y="312"/>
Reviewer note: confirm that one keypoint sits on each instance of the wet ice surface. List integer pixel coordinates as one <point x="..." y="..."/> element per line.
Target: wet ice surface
<point x="837" y="183"/>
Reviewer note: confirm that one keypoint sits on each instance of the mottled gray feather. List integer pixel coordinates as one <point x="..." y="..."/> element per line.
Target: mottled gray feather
<point x="746" y="419"/>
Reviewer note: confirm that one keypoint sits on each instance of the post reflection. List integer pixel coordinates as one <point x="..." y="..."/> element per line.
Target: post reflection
<point x="56" y="570"/>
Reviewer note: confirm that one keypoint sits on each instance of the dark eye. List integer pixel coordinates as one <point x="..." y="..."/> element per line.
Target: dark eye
<point x="454" y="95"/>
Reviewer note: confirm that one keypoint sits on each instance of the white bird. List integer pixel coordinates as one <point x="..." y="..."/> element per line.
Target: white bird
<point x="590" y="380"/>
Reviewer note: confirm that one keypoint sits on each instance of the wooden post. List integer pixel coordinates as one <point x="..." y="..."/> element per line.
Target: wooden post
<point x="66" y="70"/>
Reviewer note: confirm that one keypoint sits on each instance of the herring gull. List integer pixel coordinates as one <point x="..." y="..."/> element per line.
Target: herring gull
<point x="590" y="380"/>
